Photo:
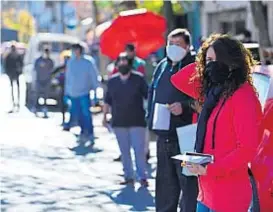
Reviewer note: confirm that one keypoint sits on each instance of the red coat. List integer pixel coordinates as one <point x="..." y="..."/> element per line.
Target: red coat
<point x="226" y="187"/>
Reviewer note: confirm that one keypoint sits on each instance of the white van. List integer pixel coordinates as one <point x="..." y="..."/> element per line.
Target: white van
<point x="56" y="43"/>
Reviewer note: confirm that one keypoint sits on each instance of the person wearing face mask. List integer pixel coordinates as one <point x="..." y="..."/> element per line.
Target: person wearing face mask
<point x="229" y="126"/>
<point x="169" y="179"/>
<point x="81" y="76"/>
<point x="44" y="67"/>
<point x="125" y="93"/>
<point x="137" y="63"/>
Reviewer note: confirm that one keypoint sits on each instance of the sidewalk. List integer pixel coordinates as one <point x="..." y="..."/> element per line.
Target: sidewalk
<point x="41" y="171"/>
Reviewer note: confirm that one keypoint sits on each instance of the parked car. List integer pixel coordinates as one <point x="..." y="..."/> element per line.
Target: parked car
<point x="56" y="43"/>
<point x="254" y="49"/>
<point x="262" y="166"/>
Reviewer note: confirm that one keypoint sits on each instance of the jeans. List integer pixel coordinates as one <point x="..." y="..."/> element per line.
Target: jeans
<point x="170" y="181"/>
<point x="80" y="108"/>
<point x="202" y="208"/>
<point x="132" y="137"/>
<point x="42" y="90"/>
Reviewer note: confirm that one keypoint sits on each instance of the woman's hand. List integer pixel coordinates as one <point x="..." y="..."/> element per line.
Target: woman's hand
<point x="196" y="106"/>
<point x="197" y="169"/>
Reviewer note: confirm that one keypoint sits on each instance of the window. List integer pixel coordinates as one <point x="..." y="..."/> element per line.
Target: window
<point x="239" y="27"/>
<point x="226" y="27"/>
<point x="55" y="46"/>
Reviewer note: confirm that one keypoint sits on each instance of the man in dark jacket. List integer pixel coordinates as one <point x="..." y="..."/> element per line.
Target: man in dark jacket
<point x="125" y="93"/>
<point x="169" y="179"/>
<point x="13" y="67"/>
<point x="43" y="66"/>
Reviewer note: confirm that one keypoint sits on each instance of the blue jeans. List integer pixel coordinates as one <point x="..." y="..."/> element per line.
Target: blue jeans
<point x="202" y="208"/>
<point x="132" y="137"/>
<point x="80" y="108"/>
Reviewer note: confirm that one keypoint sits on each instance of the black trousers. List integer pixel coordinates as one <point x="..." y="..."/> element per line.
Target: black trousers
<point x="172" y="188"/>
<point x="12" y="79"/>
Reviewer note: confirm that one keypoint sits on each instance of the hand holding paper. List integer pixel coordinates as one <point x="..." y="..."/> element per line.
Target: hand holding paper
<point x="195" y="158"/>
<point x="162" y="117"/>
<point x="176" y="108"/>
<point x="195" y="162"/>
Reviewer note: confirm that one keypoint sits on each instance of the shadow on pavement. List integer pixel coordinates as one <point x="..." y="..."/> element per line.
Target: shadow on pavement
<point x="84" y="149"/>
<point x="139" y="199"/>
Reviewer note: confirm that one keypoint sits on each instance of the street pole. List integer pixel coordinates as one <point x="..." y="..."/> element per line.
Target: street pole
<point x="62" y="16"/>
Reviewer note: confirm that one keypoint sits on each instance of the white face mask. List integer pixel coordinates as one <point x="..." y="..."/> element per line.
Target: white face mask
<point x="175" y="53"/>
<point x="45" y="56"/>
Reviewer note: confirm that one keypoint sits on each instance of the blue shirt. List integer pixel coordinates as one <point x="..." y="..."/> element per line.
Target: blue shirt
<point x="126" y="100"/>
<point x="81" y="76"/>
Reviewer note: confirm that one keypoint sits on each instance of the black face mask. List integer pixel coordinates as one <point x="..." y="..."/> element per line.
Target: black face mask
<point x="217" y="72"/>
<point x="124" y="69"/>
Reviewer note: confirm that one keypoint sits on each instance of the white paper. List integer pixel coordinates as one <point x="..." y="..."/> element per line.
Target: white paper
<point x="162" y="117"/>
<point x="186" y="138"/>
<point x="193" y="159"/>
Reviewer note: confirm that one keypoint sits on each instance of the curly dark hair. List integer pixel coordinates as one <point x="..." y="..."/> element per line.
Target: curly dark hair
<point x="231" y="52"/>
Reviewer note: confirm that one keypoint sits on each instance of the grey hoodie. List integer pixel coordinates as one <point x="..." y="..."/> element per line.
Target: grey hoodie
<point x="81" y="76"/>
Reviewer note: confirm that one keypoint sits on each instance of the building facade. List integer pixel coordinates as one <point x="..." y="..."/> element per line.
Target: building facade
<point x="232" y="17"/>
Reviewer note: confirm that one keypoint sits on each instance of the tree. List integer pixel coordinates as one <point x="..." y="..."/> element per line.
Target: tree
<point x="169" y="15"/>
<point x="260" y="19"/>
<point x="167" y="8"/>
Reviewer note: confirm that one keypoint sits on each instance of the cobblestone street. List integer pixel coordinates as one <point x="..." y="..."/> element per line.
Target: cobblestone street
<point x="44" y="169"/>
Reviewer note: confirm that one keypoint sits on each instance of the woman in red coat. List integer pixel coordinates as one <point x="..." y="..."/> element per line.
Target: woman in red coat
<point x="229" y="124"/>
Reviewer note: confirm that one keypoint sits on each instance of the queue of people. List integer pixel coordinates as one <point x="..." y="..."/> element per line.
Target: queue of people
<point x="229" y="125"/>
<point x="216" y="84"/>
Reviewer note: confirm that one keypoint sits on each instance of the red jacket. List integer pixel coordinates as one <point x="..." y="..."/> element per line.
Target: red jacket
<point x="226" y="187"/>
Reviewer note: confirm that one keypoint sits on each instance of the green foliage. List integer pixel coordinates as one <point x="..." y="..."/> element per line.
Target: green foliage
<point x="157" y="6"/>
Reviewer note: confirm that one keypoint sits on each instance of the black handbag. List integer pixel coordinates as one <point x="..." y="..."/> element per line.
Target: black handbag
<point x="255" y="203"/>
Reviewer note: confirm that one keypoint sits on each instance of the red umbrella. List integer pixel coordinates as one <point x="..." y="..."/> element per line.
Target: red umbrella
<point x="144" y="29"/>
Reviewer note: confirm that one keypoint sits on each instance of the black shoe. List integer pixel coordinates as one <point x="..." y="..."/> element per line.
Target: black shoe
<point x="148" y="156"/>
<point x="118" y="159"/>
<point x="66" y="129"/>
<point x="127" y="182"/>
<point x="144" y="183"/>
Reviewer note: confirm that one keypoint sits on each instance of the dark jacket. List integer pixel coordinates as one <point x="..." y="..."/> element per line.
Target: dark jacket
<point x="43" y="68"/>
<point x="13" y="65"/>
<point x="126" y="100"/>
<point x="166" y="93"/>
